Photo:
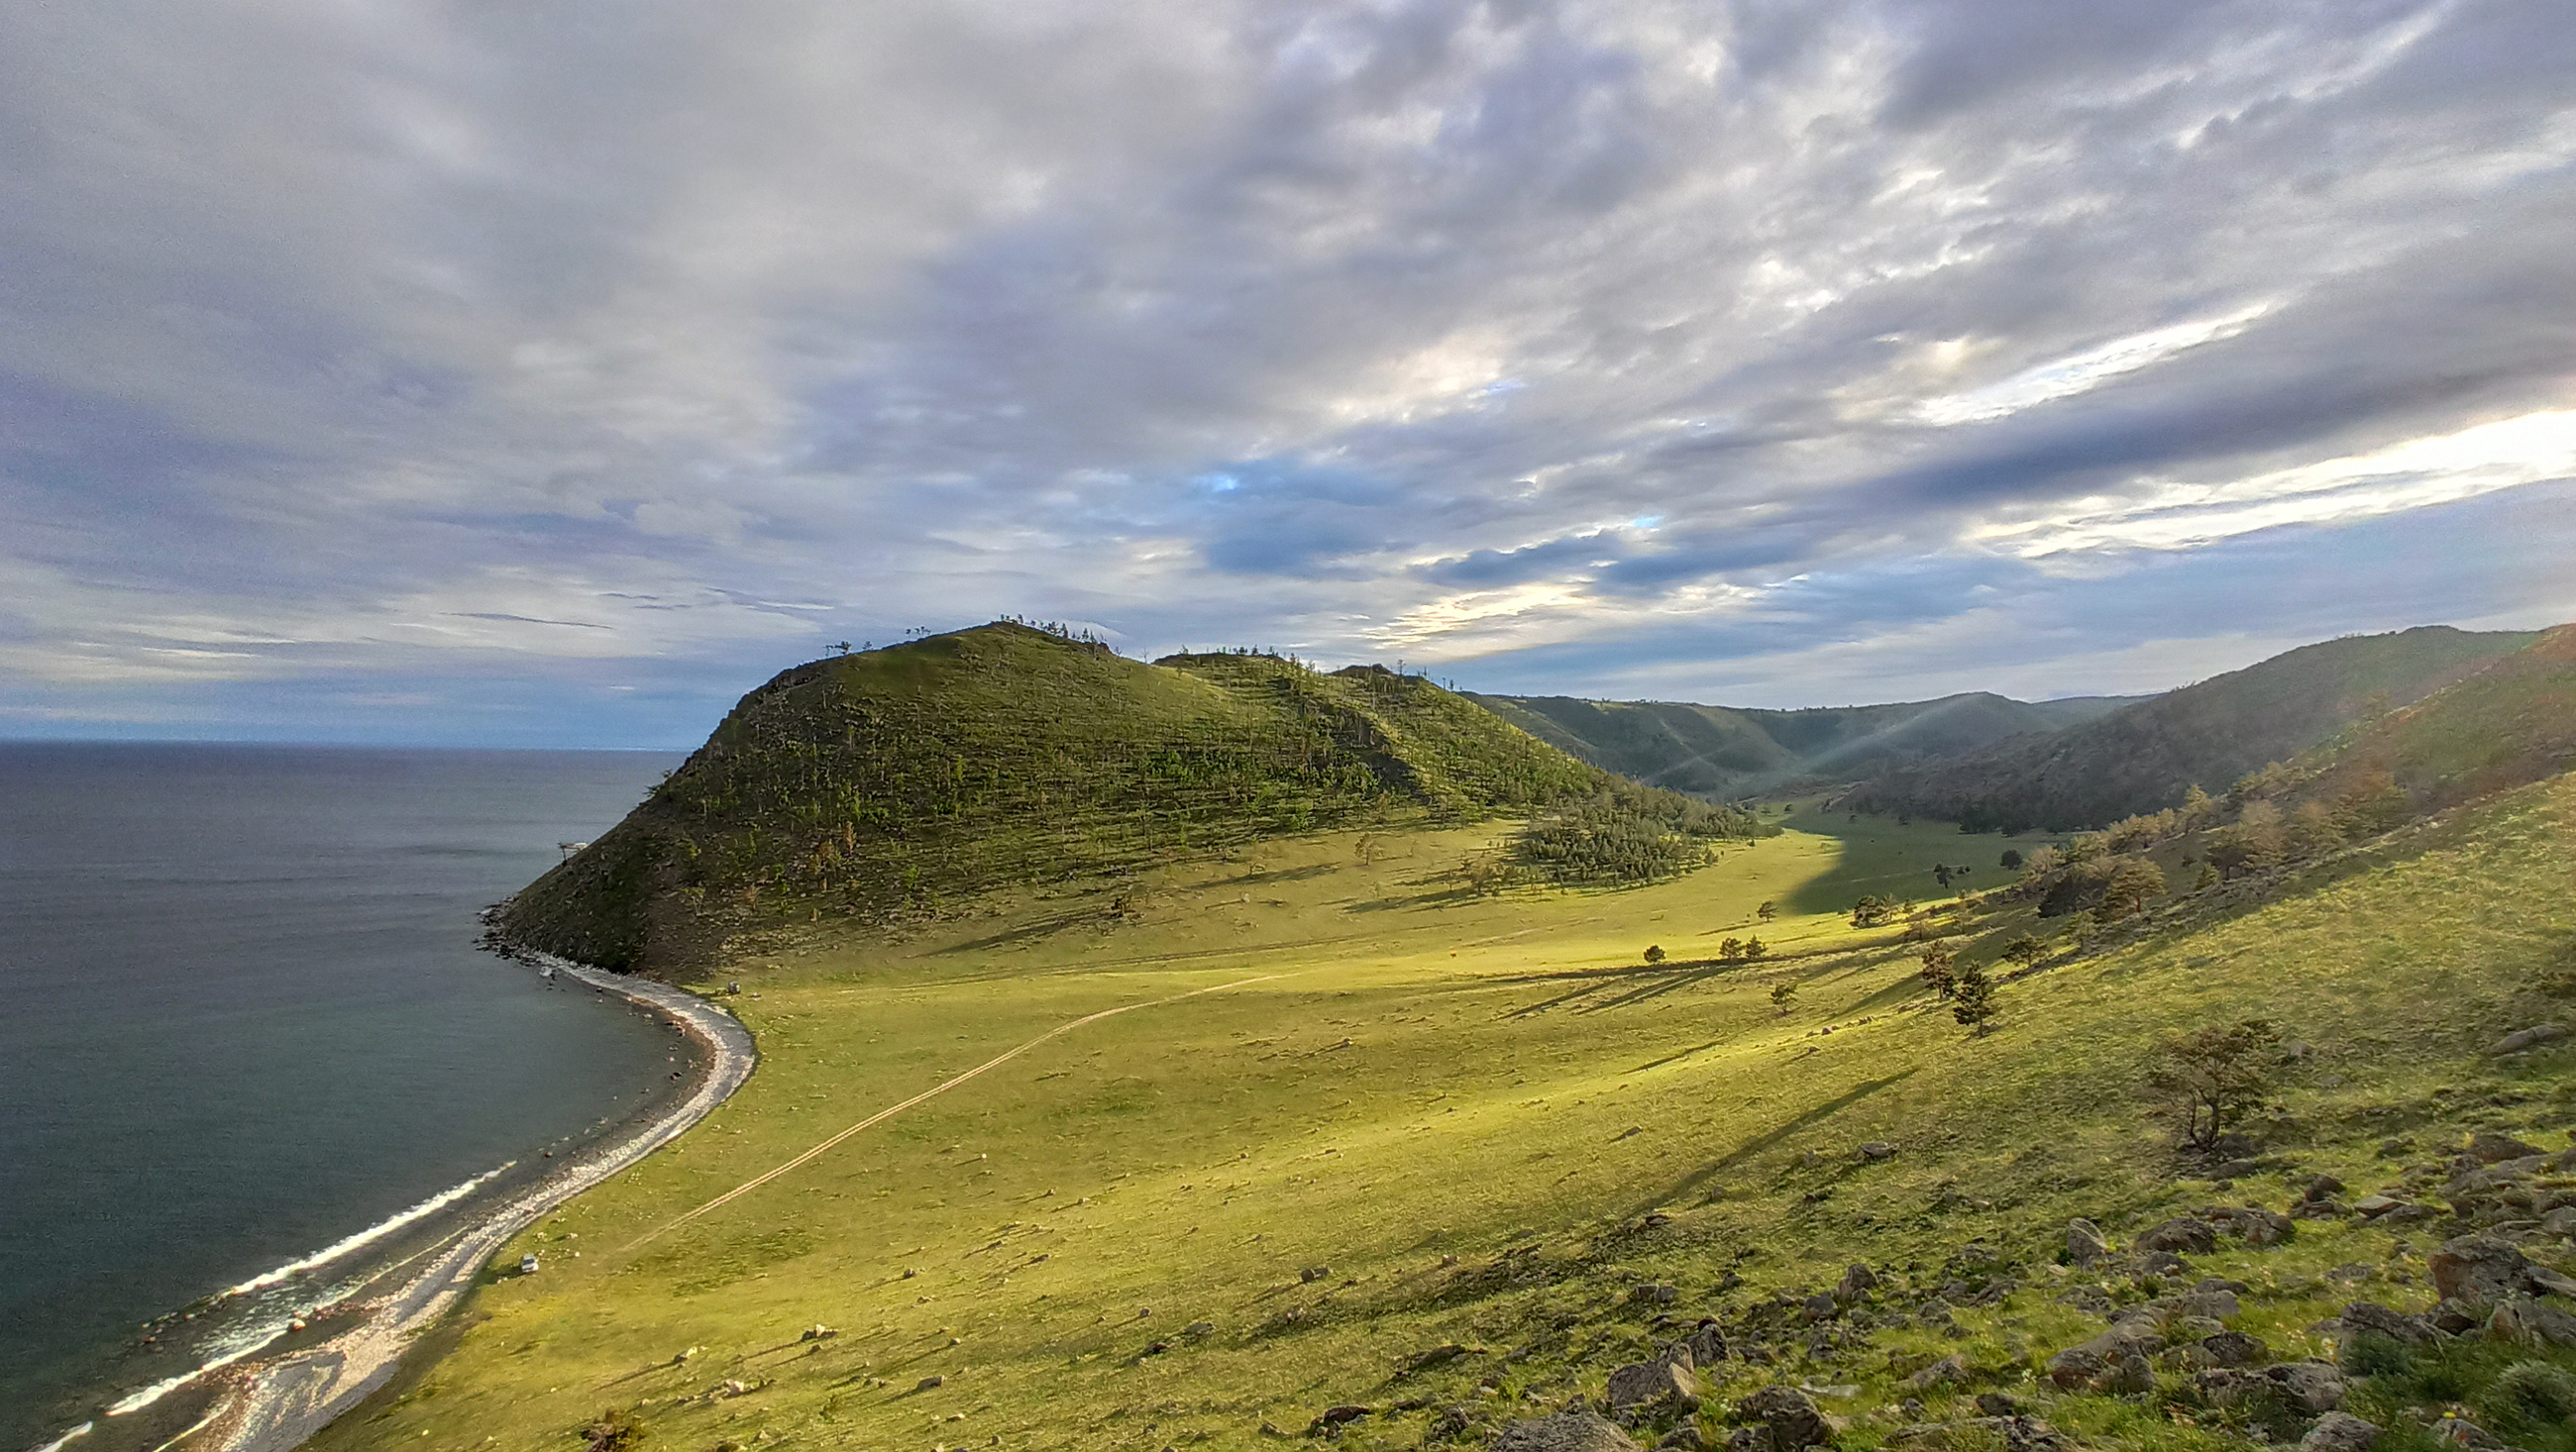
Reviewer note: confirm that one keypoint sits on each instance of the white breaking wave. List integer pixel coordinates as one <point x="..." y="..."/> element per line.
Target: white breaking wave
<point x="159" y="1389"/>
<point x="56" y="1445"/>
<point x="368" y="1236"/>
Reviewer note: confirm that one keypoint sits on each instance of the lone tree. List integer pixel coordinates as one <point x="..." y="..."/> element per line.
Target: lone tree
<point x="1941" y="875"/>
<point x="2012" y="859"/>
<point x="1972" y="998"/>
<point x="1654" y="952"/>
<point x="1783" y="993"/>
<point x="2213" y="1077"/>
<point x="1753" y="949"/>
<point x="1872" y="911"/>
<point x="1941" y="969"/>
<point x="1767" y="911"/>
<point x="2025" y="950"/>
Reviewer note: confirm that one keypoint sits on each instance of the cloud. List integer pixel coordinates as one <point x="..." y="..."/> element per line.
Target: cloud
<point x="374" y="353"/>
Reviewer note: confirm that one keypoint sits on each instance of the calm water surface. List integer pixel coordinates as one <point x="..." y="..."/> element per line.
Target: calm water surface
<point x="245" y="1018"/>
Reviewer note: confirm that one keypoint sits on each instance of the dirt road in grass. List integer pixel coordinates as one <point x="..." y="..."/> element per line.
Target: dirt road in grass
<point x="889" y="1112"/>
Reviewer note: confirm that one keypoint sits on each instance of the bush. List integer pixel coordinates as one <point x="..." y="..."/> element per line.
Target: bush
<point x="2213" y="1077"/>
<point x="2531" y="1391"/>
<point x="615" y="1430"/>
<point x="2011" y="860"/>
<point x="1654" y="952"/>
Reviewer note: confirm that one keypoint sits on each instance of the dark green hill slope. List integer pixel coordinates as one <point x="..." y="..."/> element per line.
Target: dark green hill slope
<point x="2144" y="757"/>
<point x="2510" y="723"/>
<point x="900" y="780"/>
<point x="1722" y="751"/>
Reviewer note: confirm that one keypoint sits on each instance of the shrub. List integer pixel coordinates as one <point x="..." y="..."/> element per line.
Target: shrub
<point x="2213" y="1077"/>
<point x="2024" y="950"/>
<point x="2011" y="860"/>
<point x="615" y="1430"/>
<point x="2531" y="1391"/>
<point x="1654" y="952"/>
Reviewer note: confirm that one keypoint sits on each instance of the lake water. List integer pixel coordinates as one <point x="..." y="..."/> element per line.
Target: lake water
<point x="245" y="1018"/>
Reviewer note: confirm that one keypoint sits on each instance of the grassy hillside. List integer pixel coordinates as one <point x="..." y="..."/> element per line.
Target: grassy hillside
<point x="1722" y="751"/>
<point x="2145" y="756"/>
<point x="1360" y="1141"/>
<point x="2510" y="723"/>
<point x="898" y="784"/>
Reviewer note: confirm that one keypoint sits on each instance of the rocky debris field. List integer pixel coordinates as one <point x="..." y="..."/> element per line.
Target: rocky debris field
<point x="2422" y="1314"/>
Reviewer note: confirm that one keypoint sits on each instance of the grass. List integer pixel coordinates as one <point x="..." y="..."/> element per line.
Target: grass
<point x="1383" y="1074"/>
<point x="897" y="785"/>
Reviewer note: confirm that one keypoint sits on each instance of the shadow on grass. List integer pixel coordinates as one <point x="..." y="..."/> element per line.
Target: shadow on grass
<point x="1698" y="1179"/>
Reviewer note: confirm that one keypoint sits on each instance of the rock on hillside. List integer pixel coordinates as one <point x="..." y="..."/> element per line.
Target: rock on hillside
<point x="900" y="780"/>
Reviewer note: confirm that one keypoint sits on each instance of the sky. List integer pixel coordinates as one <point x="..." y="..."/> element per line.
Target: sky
<point x="553" y="374"/>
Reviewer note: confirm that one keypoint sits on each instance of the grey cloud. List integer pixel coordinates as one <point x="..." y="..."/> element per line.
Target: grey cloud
<point x="324" y="328"/>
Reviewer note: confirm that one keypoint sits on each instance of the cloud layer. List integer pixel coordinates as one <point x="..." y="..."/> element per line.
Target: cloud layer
<point x="458" y="372"/>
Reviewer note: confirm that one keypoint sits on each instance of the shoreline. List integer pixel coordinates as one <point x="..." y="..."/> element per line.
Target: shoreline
<point x="274" y="1403"/>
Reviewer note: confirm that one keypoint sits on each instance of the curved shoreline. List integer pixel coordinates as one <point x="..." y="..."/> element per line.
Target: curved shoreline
<point x="274" y="1405"/>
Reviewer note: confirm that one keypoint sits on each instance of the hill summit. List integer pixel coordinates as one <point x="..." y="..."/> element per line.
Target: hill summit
<point x="898" y="781"/>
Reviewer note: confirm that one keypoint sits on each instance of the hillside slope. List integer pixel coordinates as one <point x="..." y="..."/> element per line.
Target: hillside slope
<point x="900" y="781"/>
<point x="2512" y="722"/>
<point x="1428" y="1166"/>
<point x="1725" y="751"/>
<point x="2144" y="757"/>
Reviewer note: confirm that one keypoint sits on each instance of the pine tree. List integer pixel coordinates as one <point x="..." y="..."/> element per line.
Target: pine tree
<point x="1972" y="998"/>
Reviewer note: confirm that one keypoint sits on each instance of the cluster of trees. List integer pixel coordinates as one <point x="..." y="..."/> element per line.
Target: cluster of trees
<point x="1963" y="985"/>
<point x="1624" y="833"/>
<point x="1874" y="911"/>
<point x="2264" y="836"/>
<point x="1730" y="950"/>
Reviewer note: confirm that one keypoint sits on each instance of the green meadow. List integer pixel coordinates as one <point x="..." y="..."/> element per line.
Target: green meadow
<point x="1352" y="1113"/>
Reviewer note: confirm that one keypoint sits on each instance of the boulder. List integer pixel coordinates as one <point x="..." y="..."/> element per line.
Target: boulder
<point x="1685" y="1438"/>
<point x="1576" y="1429"/>
<point x="2340" y="1432"/>
<point x="2370" y="1207"/>
<point x="2215" y="1302"/>
<point x="2530" y="1038"/>
<point x="2461" y="1432"/>
<point x="1857" y="1282"/>
<point x="2311" y="1386"/>
<point x="1820" y="1307"/>
<point x="2084" y="1367"/>
<point x="2373" y="1318"/>
<point x="1789" y="1415"/>
<point x="2320" y="1187"/>
<point x="2013" y="1433"/>
<point x="2249" y="1224"/>
<point x="1707" y="1345"/>
<point x="2085" y="1243"/>
<point x="1877" y="1149"/>
<point x="2560" y="1221"/>
<point x="2532" y="1323"/>
<point x="1950" y="1370"/>
<point x="2487" y="1147"/>
<point x="2183" y="1234"/>
<point x="2483" y="1270"/>
<point x="1337" y="1416"/>
<point x="1653" y="1388"/>
<point x="1654" y="1294"/>
<point x="2230" y="1349"/>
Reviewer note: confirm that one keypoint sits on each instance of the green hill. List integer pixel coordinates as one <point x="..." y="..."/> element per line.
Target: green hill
<point x="899" y="782"/>
<point x="2510" y="723"/>
<point x="1724" y="751"/>
<point x="2144" y="757"/>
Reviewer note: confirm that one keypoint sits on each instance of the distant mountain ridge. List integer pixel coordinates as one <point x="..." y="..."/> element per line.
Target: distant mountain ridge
<point x="2144" y="757"/>
<point x="1728" y="751"/>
